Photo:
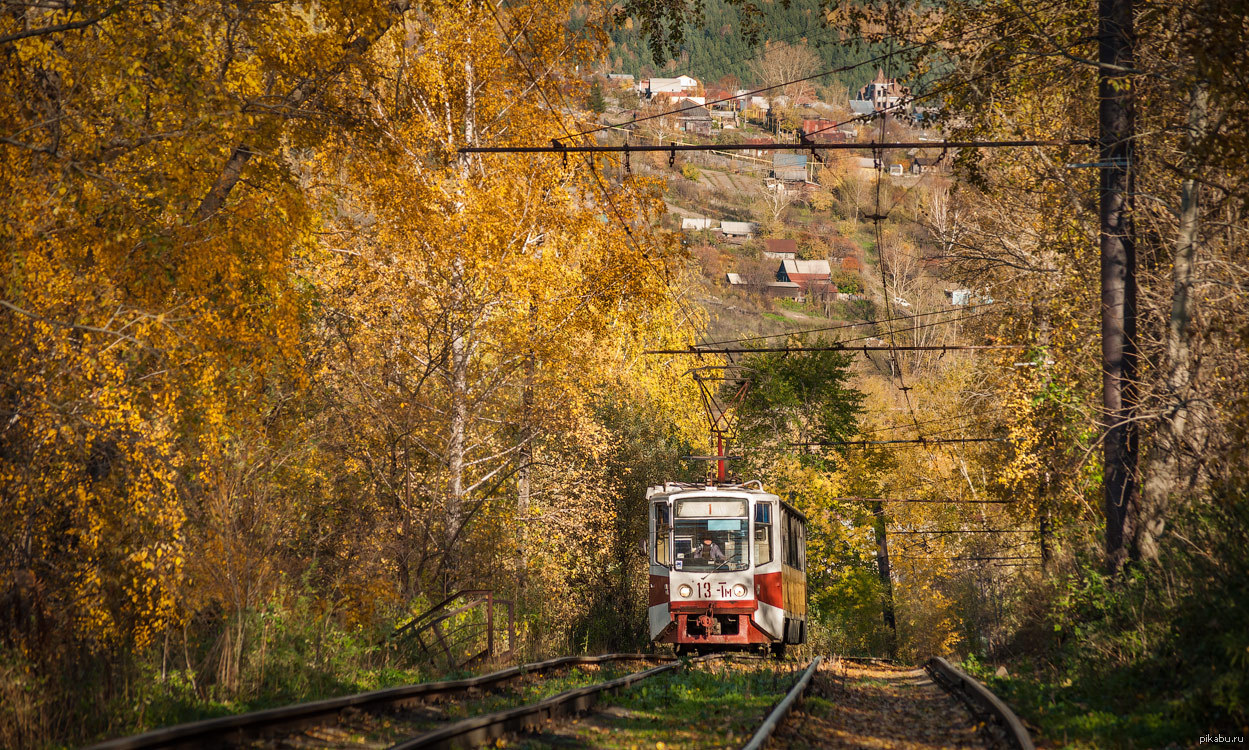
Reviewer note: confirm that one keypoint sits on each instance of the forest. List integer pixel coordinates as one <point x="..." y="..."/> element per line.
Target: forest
<point x="281" y="367"/>
<point x="725" y="39"/>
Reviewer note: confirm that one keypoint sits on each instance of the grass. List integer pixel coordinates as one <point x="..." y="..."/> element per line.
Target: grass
<point x="717" y="705"/>
<point x="1117" y="708"/>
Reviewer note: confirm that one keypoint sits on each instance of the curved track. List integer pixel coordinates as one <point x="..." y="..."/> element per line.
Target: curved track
<point x="999" y="725"/>
<point x="240" y="728"/>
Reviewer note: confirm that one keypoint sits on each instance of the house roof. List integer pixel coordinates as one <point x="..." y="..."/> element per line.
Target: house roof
<point x="735" y="279"/>
<point x="697" y="224"/>
<point x="806" y="268"/>
<point x="692" y="107"/>
<point x="737" y="227"/>
<point x="778" y="245"/>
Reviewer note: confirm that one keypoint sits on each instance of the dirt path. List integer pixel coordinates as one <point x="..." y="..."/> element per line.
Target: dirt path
<point x="853" y="705"/>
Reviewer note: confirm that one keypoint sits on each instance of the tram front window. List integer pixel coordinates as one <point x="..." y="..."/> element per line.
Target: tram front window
<point x="719" y="543"/>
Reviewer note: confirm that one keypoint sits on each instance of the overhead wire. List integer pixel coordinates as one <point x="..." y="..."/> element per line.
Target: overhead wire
<point x="877" y="218"/>
<point x="842" y="326"/>
<point x="615" y="209"/>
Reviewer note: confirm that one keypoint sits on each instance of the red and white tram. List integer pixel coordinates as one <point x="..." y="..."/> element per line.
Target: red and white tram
<point x="750" y="592"/>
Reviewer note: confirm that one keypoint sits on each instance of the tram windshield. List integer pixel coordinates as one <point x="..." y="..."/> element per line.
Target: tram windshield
<point x="711" y="534"/>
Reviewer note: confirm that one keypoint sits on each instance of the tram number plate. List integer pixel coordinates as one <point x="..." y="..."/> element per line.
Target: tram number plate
<point x="706" y="589"/>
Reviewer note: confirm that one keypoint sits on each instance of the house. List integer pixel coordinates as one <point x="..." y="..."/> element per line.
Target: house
<point x="959" y="296"/>
<point x="865" y="163"/>
<point x="735" y="279"/>
<point x="811" y="275"/>
<point x="862" y="107"/>
<point x="789" y="167"/>
<point x="896" y="170"/>
<point x="822" y="131"/>
<point x="737" y="228"/>
<point x="726" y="118"/>
<point x="723" y="99"/>
<point x="681" y="85"/>
<point x="789" y="289"/>
<point x="697" y="225"/>
<point x="693" y="117"/>
<point x="780" y="249"/>
<point x="882" y="93"/>
<point x="928" y="165"/>
<point x="623" y="80"/>
<point x="758" y="153"/>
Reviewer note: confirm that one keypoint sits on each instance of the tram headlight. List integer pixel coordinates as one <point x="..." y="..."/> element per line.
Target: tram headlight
<point x="684" y="590"/>
<point x="739" y="591"/>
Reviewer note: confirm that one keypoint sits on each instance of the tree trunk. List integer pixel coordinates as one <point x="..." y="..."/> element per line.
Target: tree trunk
<point x="1118" y="274"/>
<point x="886" y="577"/>
<point x="1164" y="478"/>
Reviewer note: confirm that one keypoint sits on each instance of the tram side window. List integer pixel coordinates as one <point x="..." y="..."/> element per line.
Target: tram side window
<point x="801" y="528"/>
<point x="663" y="534"/>
<point x="763" y="533"/>
<point x="784" y="522"/>
<point x="793" y="554"/>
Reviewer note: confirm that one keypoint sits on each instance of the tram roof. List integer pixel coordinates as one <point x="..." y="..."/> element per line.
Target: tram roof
<point x="670" y="489"/>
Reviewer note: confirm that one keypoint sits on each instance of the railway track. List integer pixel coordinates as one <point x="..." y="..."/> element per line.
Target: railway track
<point x="257" y="725"/>
<point x="526" y="724"/>
<point x="997" y="717"/>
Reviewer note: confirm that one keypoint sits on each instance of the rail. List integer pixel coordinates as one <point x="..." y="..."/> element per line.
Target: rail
<point x="782" y="709"/>
<point x="233" y="729"/>
<point x="980" y="700"/>
<point x="477" y="730"/>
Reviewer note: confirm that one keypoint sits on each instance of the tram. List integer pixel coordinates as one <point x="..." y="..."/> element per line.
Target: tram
<point x="727" y="568"/>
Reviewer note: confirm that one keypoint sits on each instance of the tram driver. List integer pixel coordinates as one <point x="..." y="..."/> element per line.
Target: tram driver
<point x="709" y="551"/>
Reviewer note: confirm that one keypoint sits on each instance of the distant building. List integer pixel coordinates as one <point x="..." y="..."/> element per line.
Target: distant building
<point x="693" y="117"/>
<point x="735" y="279"/>
<point x="928" y="165"/>
<point x="880" y="94"/>
<point x="681" y="85"/>
<point x="697" y="225"/>
<point x="789" y="167"/>
<point x="723" y="99"/>
<point x="623" y="80"/>
<point x="780" y="249"/>
<point x="823" y="131"/>
<point x="737" y="228"/>
<point x="865" y="163"/>
<point x="758" y="153"/>
<point x="810" y="275"/>
<point x="788" y="289"/>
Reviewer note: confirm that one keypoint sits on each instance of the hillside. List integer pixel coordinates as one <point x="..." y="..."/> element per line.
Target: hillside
<point x="716" y="47"/>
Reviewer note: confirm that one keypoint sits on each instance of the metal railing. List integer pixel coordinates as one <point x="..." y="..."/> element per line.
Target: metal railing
<point x="460" y="630"/>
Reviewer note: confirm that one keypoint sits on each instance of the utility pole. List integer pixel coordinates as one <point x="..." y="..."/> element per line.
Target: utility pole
<point x="1116" y="121"/>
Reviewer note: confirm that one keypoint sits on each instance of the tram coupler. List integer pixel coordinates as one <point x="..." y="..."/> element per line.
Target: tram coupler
<point x="709" y="623"/>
